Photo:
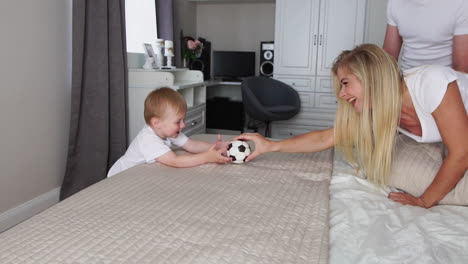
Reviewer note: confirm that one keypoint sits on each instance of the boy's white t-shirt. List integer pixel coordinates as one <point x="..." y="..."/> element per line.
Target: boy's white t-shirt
<point x="427" y="86"/>
<point x="145" y="148"/>
<point x="427" y="28"/>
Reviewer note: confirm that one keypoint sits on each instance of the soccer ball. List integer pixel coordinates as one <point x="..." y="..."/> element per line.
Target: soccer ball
<point x="238" y="151"/>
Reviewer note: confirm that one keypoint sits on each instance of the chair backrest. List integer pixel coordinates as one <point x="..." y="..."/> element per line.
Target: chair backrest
<point x="270" y="91"/>
<point x="262" y="94"/>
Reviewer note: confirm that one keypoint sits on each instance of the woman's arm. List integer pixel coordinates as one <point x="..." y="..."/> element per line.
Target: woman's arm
<point x="460" y="53"/>
<point x="393" y="41"/>
<point x="452" y="121"/>
<point x="310" y="142"/>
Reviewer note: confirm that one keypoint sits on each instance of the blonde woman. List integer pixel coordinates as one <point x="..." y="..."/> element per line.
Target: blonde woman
<point x="429" y="104"/>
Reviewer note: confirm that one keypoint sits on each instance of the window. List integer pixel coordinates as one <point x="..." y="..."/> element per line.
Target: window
<point x="140" y="22"/>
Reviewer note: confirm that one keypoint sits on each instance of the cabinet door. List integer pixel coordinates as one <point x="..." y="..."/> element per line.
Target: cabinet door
<point x="296" y="26"/>
<point x="341" y="28"/>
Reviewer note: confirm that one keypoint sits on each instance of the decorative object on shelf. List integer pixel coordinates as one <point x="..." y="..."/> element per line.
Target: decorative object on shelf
<point x="192" y="49"/>
<point x="158" y="63"/>
<point x="149" y="61"/>
<point x="149" y="56"/>
<point x="169" y="53"/>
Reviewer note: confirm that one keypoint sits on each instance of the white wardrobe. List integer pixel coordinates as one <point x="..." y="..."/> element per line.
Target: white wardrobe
<point x="309" y="34"/>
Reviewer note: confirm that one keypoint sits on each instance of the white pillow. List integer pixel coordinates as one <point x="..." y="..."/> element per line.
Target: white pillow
<point x="416" y="164"/>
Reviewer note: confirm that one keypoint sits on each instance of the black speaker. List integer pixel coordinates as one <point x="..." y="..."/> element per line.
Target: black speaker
<point x="203" y="63"/>
<point x="266" y="58"/>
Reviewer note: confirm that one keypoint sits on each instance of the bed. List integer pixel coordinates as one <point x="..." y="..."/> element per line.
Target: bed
<point x="279" y="208"/>
<point x="273" y="210"/>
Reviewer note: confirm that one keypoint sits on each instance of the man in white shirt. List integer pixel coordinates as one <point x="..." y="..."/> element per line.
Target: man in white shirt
<point x="428" y="32"/>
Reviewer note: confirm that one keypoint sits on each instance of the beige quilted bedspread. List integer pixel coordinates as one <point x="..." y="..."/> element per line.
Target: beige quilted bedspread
<point x="271" y="210"/>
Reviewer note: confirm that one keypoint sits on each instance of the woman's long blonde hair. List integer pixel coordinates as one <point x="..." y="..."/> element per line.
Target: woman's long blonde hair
<point x="370" y="134"/>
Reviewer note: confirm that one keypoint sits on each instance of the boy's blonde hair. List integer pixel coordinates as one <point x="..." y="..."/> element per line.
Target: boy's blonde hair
<point x="372" y="132"/>
<point x="162" y="99"/>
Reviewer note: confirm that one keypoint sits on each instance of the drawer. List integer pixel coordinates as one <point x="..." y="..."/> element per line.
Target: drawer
<point x="325" y="85"/>
<point x="282" y="132"/>
<point x="325" y="101"/>
<point x="195" y="123"/>
<point x="307" y="99"/>
<point x="300" y="84"/>
<point x="311" y="116"/>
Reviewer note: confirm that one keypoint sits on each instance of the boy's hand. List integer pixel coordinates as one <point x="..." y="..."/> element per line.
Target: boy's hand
<point x="220" y="144"/>
<point x="217" y="154"/>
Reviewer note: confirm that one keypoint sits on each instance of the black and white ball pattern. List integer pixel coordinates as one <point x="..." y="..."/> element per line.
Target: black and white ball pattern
<point x="238" y="151"/>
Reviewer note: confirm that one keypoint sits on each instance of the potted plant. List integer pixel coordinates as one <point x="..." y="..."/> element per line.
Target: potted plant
<point x="192" y="49"/>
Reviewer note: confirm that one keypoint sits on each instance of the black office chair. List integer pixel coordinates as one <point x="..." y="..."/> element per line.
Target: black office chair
<point x="266" y="99"/>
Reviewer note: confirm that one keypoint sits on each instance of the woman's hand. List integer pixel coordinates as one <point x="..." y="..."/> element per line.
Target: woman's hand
<point x="262" y="145"/>
<point x="407" y="199"/>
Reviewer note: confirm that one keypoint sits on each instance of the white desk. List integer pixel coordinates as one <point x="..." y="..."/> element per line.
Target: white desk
<point x="188" y="83"/>
<point x="218" y="88"/>
<point x="232" y="90"/>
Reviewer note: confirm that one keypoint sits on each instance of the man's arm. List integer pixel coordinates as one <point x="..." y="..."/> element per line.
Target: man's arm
<point x="393" y="41"/>
<point x="460" y="53"/>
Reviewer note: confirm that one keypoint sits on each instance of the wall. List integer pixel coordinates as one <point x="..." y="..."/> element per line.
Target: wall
<point x="376" y="22"/>
<point x="35" y="70"/>
<point x="185" y="19"/>
<point x="236" y="26"/>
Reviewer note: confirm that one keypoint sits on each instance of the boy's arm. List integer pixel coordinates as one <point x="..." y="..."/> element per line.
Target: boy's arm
<point x="198" y="146"/>
<point x="212" y="155"/>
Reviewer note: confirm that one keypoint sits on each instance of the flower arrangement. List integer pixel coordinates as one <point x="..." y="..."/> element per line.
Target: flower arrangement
<point x="192" y="48"/>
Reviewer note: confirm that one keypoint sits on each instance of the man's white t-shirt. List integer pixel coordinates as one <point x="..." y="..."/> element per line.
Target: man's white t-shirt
<point x="145" y="148"/>
<point x="427" y="28"/>
<point x="427" y="86"/>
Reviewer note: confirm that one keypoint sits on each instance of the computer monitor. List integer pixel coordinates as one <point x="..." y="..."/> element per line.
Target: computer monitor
<point x="233" y="65"/>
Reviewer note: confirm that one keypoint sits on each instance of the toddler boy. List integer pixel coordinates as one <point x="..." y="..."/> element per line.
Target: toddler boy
<point x="164" y="113"/>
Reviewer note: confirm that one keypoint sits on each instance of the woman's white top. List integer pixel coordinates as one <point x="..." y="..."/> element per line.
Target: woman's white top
<point x="146" y="148"/>
<point x="427" y="28"/>
<point x="427" y="86"/>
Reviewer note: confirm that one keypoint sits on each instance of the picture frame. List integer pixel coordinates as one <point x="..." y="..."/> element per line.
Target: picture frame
<point x="148" y="50"/>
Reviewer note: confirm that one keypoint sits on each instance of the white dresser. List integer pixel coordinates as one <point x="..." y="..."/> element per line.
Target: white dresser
<point x="309" y="34"/>
<point x="187" y="82"/>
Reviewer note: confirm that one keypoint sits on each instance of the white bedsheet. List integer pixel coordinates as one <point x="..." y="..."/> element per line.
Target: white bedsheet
<point x="367" y="227"/>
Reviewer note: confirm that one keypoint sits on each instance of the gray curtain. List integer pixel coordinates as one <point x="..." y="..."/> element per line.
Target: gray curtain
<point x="98" y="124"/>
<point x="164" y="18"/>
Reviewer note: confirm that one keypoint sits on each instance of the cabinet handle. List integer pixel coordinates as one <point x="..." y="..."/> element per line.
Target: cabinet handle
<point x="320" y="43"/>
<point x="315" y="39"/>
<point x="193" y="123"/>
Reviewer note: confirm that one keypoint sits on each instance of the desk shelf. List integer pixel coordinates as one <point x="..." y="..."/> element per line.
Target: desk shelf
<point x="188" y="83"/>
